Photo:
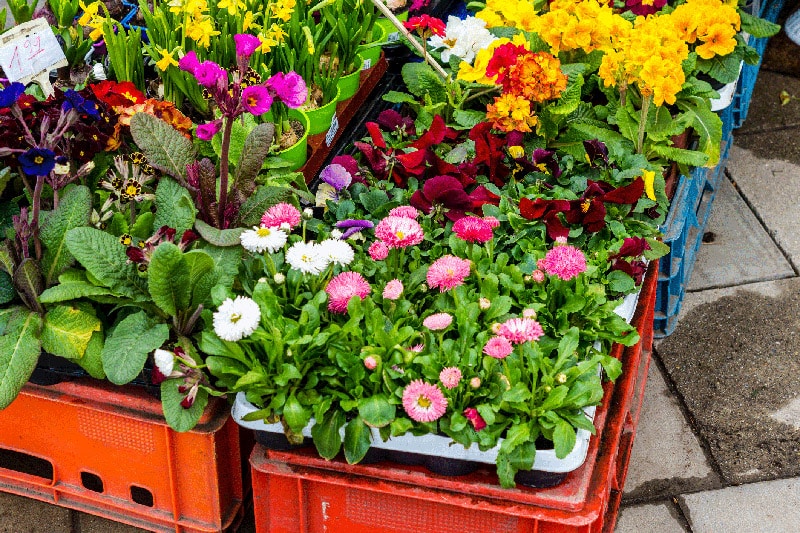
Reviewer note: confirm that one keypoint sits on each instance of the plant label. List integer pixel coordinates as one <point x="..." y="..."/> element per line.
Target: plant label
<point x="393" y="37"/>
<point x="29" y="52"/>
<point x="367" y="64"/>
<point x="332" y="130"/>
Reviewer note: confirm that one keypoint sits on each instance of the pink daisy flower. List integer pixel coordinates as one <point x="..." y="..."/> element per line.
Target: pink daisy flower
<point x="519" y="330"/>
<point x="405" y="211"/>
<point x="343" y="287"/>
<point x="450" y="377"/>
<point x="492" y="221"/>
<point x="448" y="272"/>
<point x="399" y="232"/>
<point x="537" y="276"/>
<point x="473" y="229"/>
<point x="417" y="348"/>
<point x="378" y="251"/>
<point x="393" y="290"/>
<point x="498" y="347"/>
<point x="438" y="321"/>
<point x="281" y="213"/>
<point x="564" y="261"/>
<point x="424" y="402"/>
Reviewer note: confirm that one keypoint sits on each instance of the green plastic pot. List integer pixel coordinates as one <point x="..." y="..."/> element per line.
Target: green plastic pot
<point x="297" y="154"/>
<point x="392" y="34"/>
<point x="320" y="118"/>
<point x="348" y="84"/>
<point x="371" y="52"/>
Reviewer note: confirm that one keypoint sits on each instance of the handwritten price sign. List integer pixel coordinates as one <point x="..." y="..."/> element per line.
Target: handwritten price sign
<point x="29" y="52"/>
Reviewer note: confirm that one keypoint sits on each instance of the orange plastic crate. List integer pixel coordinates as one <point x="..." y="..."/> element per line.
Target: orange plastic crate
<point x="298" y="491"/>
<point x="107" y="451"/>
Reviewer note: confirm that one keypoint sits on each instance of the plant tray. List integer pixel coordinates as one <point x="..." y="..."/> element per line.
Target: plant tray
<point x="298" y="491"/>
<point x="107" y="451"/>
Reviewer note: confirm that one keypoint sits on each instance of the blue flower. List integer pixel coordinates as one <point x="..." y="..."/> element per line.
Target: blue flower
<point x="37" y="161"/>
<point x="11" y="94"/>
<point x="73" y="100"/>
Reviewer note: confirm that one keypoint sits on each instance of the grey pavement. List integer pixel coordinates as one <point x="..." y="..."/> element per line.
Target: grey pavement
<point x="717" y="449"/>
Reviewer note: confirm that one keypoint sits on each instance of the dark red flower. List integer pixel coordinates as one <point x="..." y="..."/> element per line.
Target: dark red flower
<point x="545" y="162"/>
<point x="443" y="192"/>
<point x="590" y="209"/>
<point x="489" y="152"/>
<point x="425" y="26"/>
<point x="632" y="247"/>
<point x="596" y="153"/>
<point x="548" y="211"/>
<point x="391" y="120"/>
<point x="505" y="56"/>
<point x="474" y="418"/>
<point x="640" y="8"/>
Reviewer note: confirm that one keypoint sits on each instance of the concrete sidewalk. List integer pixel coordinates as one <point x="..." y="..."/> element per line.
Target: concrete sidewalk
<point x="718" y="445"/>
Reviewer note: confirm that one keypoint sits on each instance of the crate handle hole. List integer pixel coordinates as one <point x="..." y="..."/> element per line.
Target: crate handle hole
<point x="91" y="482"/>
<point x="142" y="496"/>
<point x="26" y="464"/>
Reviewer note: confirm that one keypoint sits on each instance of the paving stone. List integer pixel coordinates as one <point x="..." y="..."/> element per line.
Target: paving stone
<point x="734" y="358"/>
<point x="740" y="249"/>
<point x="24" y="515"/>
<point x="94" y="524"/>
<point x="769" y="507"/>
<point x="789" y="414"/>
<point x="648" y="518"/>
<point x="771" y="186"/>
<point x="666" y="458"/>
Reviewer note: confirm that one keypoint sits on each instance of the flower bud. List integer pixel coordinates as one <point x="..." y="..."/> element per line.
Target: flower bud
<point x="308" y="213"/>
<point x="484" y="303"/>
<point x="561" y="378"/>
<point x="529" y="313"/>
<point x="537" y="276"/>
<point x="475" y="383"/>
<point x="370" y="362"/>
<point x="496" y="327"/>
<point x="336" y="234"/>
<point x="547" y="388"/>
<point x="279" y="278"/>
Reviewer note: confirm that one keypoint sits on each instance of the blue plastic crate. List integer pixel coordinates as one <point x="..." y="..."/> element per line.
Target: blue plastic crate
<point x="770" y="10"/>
<point x="683" y="232"/>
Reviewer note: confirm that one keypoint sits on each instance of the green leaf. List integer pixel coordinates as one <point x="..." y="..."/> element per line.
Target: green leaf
<point x="165" y="147"/>
<point x="681" y="156"/>
<point x="263" y="198"/>
<point x="104" y="258"/>
<point x="7" y="291"/>
<point x="758" y="27"/>
<point x="92" y="360"/>
<point x="27" y="279"/>
<point x="255" y="152"/>
<point x="564" y="438"/>
<point x="169" y="281"/>
<point x="468" y="118"/>
<point x="421" y="80"/>
<point x="218" y="237"/>
<point x="68" y="330"/>
<point x="326" y="435"/>
<point x="397" y="97"/>
<point x="619" y="281"/>
<point x="177" y="417"/>
<point x="373" y="200"/>
<point x="143" y="227"/>
<point x="376" y="411"/>
<point x="73" y="211"/>
<point x="71" y="290"/>
<point x="295" y="415"/>
<point x="126" y="348"/>
<point x="19" y="352"/>
<point x="357" y="439"/>
<point x="174" y="206"/>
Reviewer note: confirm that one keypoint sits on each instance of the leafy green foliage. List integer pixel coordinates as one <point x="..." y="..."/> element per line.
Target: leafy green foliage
<point x="127" y="346"/>
<point x="174" y="206"/>
<point x="254" y="153"/>
<point x="165" y="148"/>
<point x="104" y="259"/>
<point x="68" y="330"/>
<point x="177" y="417"/>
<point x="19" y="351"/>
<point x="73" y="211"/>
<point x="169" y="279"/>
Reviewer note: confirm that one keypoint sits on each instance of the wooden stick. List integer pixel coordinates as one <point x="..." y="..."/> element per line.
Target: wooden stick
<point x="407" y="34"/>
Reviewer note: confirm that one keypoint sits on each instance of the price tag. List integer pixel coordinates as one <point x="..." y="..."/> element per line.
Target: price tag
<point x="393" y="37"/>
<point x="332" y="130"/>
<point x="29" y="52"/>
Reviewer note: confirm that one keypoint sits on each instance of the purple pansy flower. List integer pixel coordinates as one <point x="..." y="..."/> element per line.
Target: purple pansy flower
<point x="545" y="162"/>
<point x="336" y="176"/>
<point x="37" y="161"/>
<point x="11" y="94"/>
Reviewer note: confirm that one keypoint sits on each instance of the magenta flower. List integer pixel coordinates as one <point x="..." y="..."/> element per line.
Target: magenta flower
<point x="448" y="272"/>
<point x="370" y="363"/>
<point x="281" y="213"/>
<point x="477" y="421"/>
<point x="343" y="287"/>
<point x="209" y="73"/>
<point x="290" y="88"/>
<point x="205" y="132"/>
<point x="565" y="262"/>
<point x="336" y="176"/>
<point x="450" y="377"/>
<point x="399" y="232"/>
<point x="424" y="402"/>
<point x="404" y="211"/>
<point x="438" y="321"/>
<point x="378" y="251"/>
<point x="473" y="229"/>
<point x="189" y="62"/>
<point x="498" y="347"/>
<point x="246" y="44"/>
<point x="393" y="290"/>
<point x="519" y="330"/>
<point x="256" y="99"/>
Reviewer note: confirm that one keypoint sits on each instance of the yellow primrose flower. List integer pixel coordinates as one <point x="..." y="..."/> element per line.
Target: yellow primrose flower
<point x="649" y="177"/>
<point x="166" y="60"/>
<point x="509" y="113"/>
<point x="516" y="151"/>
<point x="717" y="41"/>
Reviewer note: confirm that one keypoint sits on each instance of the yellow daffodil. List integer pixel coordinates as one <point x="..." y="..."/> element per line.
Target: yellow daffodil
<point x="89" y="12"/>
<point x="166" y="60"/>
<point x="201" y="31"/>
<point x="233" y="6"/>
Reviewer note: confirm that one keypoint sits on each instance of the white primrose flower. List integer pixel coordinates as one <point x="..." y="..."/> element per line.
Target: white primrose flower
<point x="462" y="38"/>
<point x="262" y="238"/>
<point x="164" y="361"/>
<point x="337" y="252"/>
<point x="307" y="257"/>
<point x="236" y="319"/>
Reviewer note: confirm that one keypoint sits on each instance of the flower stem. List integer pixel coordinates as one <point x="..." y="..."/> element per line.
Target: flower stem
<point x="37" y="204"/>
<point x="642" y="124"/>
<point x="223" y="170"/>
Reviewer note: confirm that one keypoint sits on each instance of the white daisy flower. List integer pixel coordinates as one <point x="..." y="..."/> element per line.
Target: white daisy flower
<point x="337" y="252"/>
<point x="236" y="319"/>
<point x="307" y="257"/>
<point x="165" y="361"/>
<point x="262" y="238"/>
